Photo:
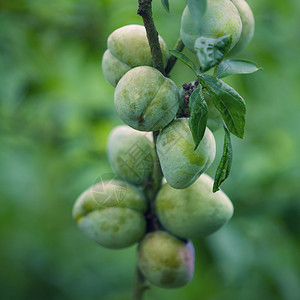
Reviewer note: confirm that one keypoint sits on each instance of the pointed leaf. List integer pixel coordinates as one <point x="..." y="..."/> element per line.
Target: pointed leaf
<point x="165" y="4"/>
<point x="197" y="9"/>
<point x="223" y="169"/>
<point x="211" y="51"/>
<point x="236" y="66"/>
<point x="185" y="60"/>
<point x="229" y="103"/>
<point x="198" y="115"/>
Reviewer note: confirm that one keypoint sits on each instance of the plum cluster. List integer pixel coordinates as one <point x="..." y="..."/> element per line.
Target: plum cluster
<point x="114" y="213"/>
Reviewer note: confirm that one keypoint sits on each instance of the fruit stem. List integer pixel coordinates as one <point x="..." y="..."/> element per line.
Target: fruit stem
<point x="151" y="190"/>
<point x="140" y="286"/>
<point x="215" y="70"/>
<point x="172" y="60"/>
<point x="157" y="173"/>
<point x="145" y="11"/>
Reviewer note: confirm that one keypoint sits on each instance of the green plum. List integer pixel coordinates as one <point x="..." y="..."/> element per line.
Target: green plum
<point x="111" y="214"/>
<point x="247" y="25"/>
<point x="128" y="48"/>
<point x="165" y="260"/>
<point x="145" y="99"/>
<point x="131" y="154"/>
<point x="194" y="212"/>
<point x="220" y="18"/>
<point x="180" y="163"/>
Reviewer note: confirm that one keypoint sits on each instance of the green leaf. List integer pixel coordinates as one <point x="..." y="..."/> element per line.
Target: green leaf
<point x="198" y="115"/>
<point x="223" y="169"/>
<point x="236" y="66"/>
<point x="197" y="9"/>
<point x="211" y="51"/>
<point x="229" y="103"/>
<point x="185" y="60"/>
<point x="165" y="4"/>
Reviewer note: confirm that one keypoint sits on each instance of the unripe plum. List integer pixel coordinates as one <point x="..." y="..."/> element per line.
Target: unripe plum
<point x="194" y="212"/>
<point x="165" y="260"/>
<point x="146" y="100"/>
<point x="111" y="214"/>
<point x="131" y="154"/>
<point x="220" y="18"/>
<point x="247" y="25"/>
<point x="180" y="163"/>
<point x="128" y="48"/>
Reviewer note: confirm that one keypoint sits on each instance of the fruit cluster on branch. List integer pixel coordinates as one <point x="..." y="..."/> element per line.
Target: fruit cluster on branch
<point x="162" y="197"/>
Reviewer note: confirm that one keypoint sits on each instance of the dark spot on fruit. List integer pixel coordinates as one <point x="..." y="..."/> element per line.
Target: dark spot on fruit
<point x="168" y="277"/>
<point x="141" y="120"/>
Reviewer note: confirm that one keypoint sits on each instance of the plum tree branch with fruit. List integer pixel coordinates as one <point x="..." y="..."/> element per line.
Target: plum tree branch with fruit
<point x="145" y="11"/>
<point x="162" y="197"/>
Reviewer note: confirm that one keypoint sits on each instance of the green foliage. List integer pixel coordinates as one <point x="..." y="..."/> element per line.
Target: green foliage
<point x="229" y="103"/>
<point x="188" y="62"/>
<point x="165" y="4"/>
<point x="224" y="166"/>
<point x="210" y="52"/>
<point x="198" y="117"/>
<point x="236" y="66"/>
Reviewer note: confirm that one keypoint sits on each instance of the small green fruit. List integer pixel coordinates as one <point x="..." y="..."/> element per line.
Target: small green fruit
<point x="146" y="100"/>
<point x="131" y="154"/>
<point x="247" y="25"/>
<point x="194" y="212"/>
<point x="220" y="18"/>
<point x="111" y="214"/>
<point x="181" y="164"/>
<point x="128" y="48"/>
<point x="165" y="260"/>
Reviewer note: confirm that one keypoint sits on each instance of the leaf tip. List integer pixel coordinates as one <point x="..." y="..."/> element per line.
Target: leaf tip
<point x="215" y="188"/>
<point x="165" y="4"/>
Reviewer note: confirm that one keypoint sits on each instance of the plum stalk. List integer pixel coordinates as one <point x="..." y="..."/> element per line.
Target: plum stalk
<point x="154" y="184"/>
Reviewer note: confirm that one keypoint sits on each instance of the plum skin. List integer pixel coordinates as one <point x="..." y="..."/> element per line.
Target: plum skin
<point x="220" y="18"/>
<point x="165" y="260"/>
<point x="131" y="154"/>
<point x="248" y="24"/>
<point x="181" y="164"/>
<point x="112" y="214"/>
<point x="194" y="212"/>
<point x="146" y="100"/>
<point x="128" y="48"/>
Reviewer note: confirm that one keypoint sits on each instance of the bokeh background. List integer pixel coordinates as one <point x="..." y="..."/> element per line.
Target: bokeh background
<point x="56" y="111"/>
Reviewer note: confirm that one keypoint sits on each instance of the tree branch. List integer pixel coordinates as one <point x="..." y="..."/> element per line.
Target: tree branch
<point x="140" y="286"/>
<point x="172" y="60"/>
<point x="152" y="189"/>
<point x="145" y="11"/>
<point x="154" y="184"/>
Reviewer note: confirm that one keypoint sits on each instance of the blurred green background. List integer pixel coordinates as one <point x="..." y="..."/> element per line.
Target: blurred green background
<point x="56" y="111"/>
